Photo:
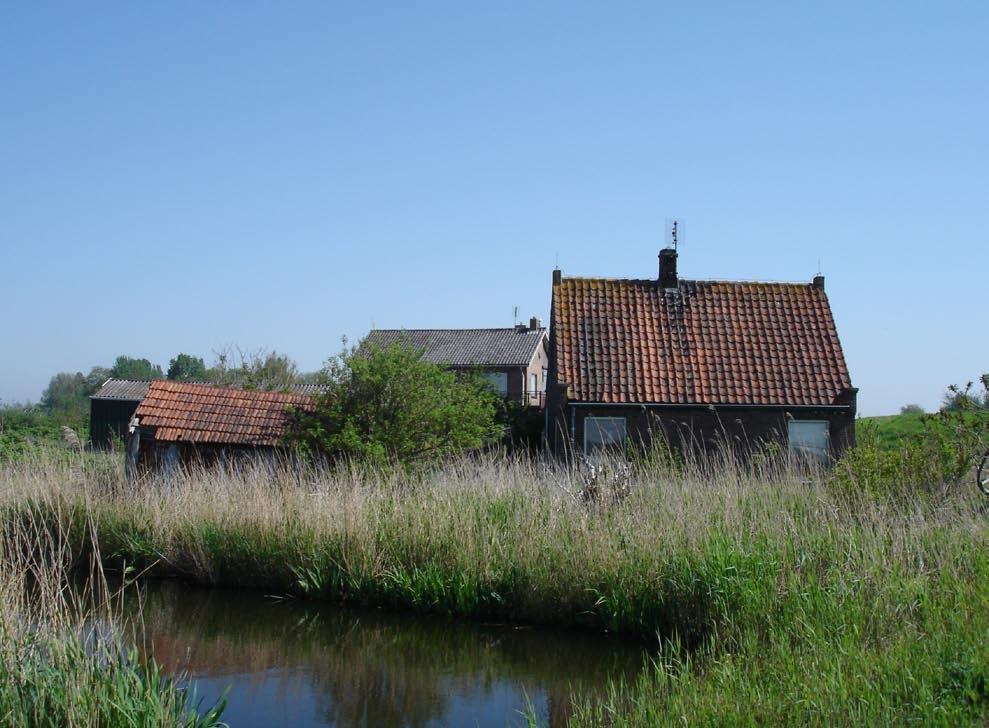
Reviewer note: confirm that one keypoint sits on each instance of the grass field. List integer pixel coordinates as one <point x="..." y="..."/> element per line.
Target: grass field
<point x="771" y="597"/>
<point x="891" y="430"/>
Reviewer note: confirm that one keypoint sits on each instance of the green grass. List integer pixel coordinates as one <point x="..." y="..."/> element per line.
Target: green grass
<point x="62" y="659"/>
<point x="892" y="430"/>
<point x="28" y="430"/>
<point x="57" y="680"/>
<point x="771" y="597"/>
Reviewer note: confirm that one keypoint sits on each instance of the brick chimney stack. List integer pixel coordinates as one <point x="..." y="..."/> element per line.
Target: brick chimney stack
<point x="668" y="268"/>
<point x="535" y="324"/>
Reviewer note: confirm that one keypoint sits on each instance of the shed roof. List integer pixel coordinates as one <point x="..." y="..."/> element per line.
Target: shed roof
<point x="127" y="389"/>
<point x="136" y="390"/>
<point x="463" y="348"/>
<point x="206" y="414"/>
<point x="703" y="342"/>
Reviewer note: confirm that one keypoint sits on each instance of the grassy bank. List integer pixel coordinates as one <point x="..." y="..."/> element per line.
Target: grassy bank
<point x="774" y="597"/>
<point x="891" y="430"/>
<point x="63" y="663"/>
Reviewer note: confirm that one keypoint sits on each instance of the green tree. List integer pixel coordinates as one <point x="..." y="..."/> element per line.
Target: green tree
<point x="269" y="370"/>
<point x="66" y="393"/>
<point x="967" y="398"/>
<point x="261" y="369"/>
<point x="187" y="368"/>
<point x="911" y="409"/>
<point x="125" y="367"/>
<point x="66" y="397"/>
<point x="389" y="405"/>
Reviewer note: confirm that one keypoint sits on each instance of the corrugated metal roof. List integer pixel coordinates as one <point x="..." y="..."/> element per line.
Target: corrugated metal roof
<point x="202" y="413"/>
<point x="122" y="389"/>
<point x="465" y="347"/>
<point x="136" y="390"/>
<point x="704" y="342"/>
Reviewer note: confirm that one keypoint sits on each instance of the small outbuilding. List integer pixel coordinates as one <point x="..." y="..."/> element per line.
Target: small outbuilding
<point x="183" y="423"/>
<point x="111" y="408"/>
<point x="701" y="363"/>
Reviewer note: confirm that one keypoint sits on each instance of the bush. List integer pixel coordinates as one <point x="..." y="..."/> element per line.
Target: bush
<point x="25" y="428"/>
<point x="939" y="453"/>
<point x="391" y="406"/>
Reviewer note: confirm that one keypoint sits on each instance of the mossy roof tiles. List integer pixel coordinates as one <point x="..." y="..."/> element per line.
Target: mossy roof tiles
<point x="703" y="342"/>
<point x="202" y="413"/>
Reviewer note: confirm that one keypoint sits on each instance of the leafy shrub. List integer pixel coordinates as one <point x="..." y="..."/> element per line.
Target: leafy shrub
<point x="24" y="429"/>
<point x="389" y="405"/>
<point x="937" y="454"/>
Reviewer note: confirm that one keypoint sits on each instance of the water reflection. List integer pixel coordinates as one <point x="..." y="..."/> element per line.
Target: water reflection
<point x="301" y="664"/>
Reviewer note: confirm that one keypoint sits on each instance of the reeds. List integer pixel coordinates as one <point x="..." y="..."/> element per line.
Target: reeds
<point x="62" y="659"/>
<point x="771" y="595"/>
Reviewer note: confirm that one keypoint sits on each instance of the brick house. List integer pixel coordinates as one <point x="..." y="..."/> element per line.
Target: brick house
<point x="515" y="360"/>
<point x="697" y="362"/>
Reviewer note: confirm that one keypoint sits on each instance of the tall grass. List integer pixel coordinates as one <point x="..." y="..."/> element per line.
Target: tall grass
<point x="772" y="596"/>
<point x="62" y="660"/>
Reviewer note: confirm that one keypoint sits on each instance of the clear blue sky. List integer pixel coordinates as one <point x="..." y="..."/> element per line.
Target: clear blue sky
<point x="181" y="176"/>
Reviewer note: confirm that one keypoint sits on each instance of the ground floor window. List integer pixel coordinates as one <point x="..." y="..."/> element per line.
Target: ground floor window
<point x="603" y="433"/>
<point x="809" y="439"/>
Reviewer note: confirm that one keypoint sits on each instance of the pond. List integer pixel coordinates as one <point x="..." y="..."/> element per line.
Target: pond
<point x="305" y="664"/>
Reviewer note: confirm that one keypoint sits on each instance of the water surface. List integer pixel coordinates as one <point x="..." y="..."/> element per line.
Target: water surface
<point x="304" y="664"/>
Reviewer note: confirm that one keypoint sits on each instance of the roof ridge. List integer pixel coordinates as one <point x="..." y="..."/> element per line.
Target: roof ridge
<point x="740" y="281"/>
<point x="491" y="328"/>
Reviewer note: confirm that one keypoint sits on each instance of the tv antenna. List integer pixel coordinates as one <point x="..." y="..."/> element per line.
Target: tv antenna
<point x="674" y="232"/>
<point x="515" y="316"/>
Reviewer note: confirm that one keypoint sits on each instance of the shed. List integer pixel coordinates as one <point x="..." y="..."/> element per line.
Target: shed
<point x="183" y="422"/>
<point x="110" y="410"/>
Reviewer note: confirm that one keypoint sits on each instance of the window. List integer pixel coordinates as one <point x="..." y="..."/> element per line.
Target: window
<point x="602" y="433"/>
<point x="809" y="439"/>
<point x="545" y="375"/>
<point x="533" y="383"/>
<point x="498" y="382"/>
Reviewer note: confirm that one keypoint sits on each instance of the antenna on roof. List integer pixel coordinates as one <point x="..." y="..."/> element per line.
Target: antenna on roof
<point x="515" y="316"/>
<point x="818" y="266"/>
<point x="674" y="232"/>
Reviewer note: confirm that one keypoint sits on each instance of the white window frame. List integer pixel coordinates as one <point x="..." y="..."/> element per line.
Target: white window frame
<point x="808" y="453"/>
<point x="621" y="445"/>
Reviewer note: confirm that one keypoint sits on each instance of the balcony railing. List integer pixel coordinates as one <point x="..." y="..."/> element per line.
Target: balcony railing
<point x="534" y="399"/>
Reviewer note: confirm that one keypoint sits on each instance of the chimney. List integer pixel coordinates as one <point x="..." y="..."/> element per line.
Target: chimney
<point x="819" y="282"/>
<point x="668" y="268"/>
<point x="535" y="324"/>
<point x="557" y="277"/>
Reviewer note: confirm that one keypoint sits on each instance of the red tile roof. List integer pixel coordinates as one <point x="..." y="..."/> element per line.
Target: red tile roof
<point x="201" y="413"/>
<point x="704" y="342"/>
